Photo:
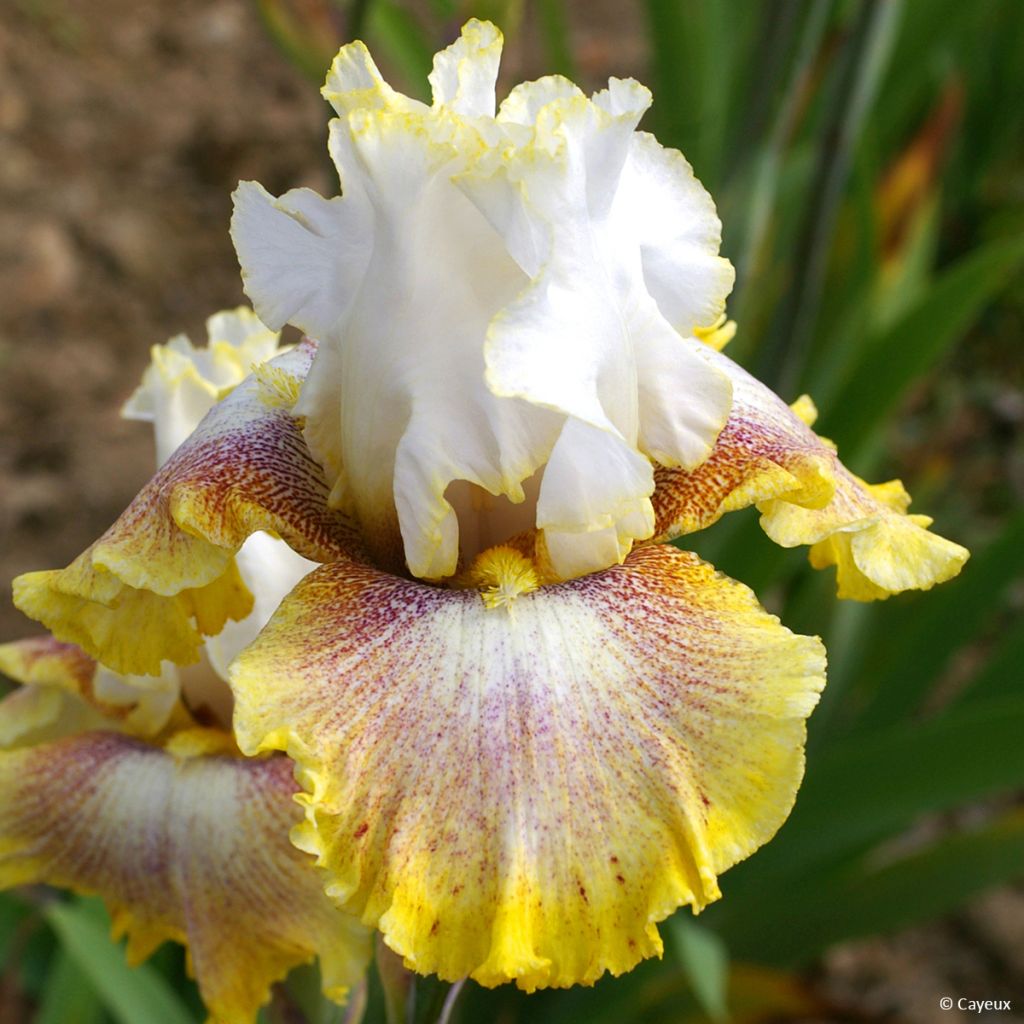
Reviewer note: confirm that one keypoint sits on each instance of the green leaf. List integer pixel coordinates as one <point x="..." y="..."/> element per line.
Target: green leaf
<point x="69" y="997"/>
<point x="405" y="43"/>
<point x="860" y="899"/>
<point x="12" y="913"/>
<point x="705" y="962"/>
<point x="860" y="65"/>
<point x="306" y="36"/>
<point x="694" y="52"/>
<point x="555" y="32"/>
<point x="130" y="994"/>
<point x="864" y="788"/>
<point x="1002" y="674"/>
<point x="915" y="343"/>
<point x="882" y="781"/>
<point x="956" y="613"/>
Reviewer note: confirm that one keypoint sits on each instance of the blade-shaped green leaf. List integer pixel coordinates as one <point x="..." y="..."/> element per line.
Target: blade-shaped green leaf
<point x="69" y="997"/>
<point x="705" y="962"/>
<point x="865" y="788"/>
<point x="305" y="35"/>
<point x="856" y="900"/>
<point x="555" y="32"/>
<point x="861" y="65"/>
<point x="915" y="343"/>
<point x="956" y="613"/>
<point x="1003" y="672"/>
<point x="406" y="45"/>
<point x="130" y="994"/>
<point x="694" y="51"/>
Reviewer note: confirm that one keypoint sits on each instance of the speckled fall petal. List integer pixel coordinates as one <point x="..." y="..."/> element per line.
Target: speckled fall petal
<point x="768" y="456"/>
<point x="188" y="848"/>
<point x="164" y="574"/>
<point x="520" y="792"/>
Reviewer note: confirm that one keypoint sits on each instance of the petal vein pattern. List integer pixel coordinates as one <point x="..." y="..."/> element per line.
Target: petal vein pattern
<point x="164" y="574"/>
<point x="192" y="849"/>
<point x="481" y="295"/>
<point x="520" y="794"/>
<point x="768" y="456"/>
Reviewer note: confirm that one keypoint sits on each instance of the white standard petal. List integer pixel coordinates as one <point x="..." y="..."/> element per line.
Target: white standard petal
<point x="663" y="208"/>
<point x="302" y="255"/>
<point x="396" y="404"/>
<point x="183" y="381"/>
<point x="587" y="338"/>
<point x="485" y="315"/>
<point x="464" y="74"/>
<point x="593" y="500"/>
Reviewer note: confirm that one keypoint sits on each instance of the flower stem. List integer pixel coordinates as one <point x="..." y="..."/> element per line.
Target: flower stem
<point x="449" y="1003"/>
<point x="399" y="986"/>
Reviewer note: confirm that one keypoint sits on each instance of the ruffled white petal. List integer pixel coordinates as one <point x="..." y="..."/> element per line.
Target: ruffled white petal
<point x="586" y="338"/>
<point x="464" y="74"/>
<point x="183" y="382"/>
<point x="354" y="83"/>
<point x="480" y="294"/>
<point x="664" y="208"/>
<point x="593" y="500"/>
<point x="525" y="102"/>
<point x="297" y="252"/>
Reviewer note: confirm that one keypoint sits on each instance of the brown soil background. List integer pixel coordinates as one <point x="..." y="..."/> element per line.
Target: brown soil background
<point x="124" y="126"/>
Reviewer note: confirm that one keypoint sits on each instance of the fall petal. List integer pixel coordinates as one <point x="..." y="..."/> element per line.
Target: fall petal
<point x="164" y="574"/>
<point x="865" y="531"/>
<point x="72" y="693"/>
<point x="517" y="790"/>
<point x="768" y="456"/>
<point x="191" y="849"/>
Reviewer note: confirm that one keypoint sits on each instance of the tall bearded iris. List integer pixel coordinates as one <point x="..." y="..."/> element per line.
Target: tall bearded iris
<point x="524" y="729"/>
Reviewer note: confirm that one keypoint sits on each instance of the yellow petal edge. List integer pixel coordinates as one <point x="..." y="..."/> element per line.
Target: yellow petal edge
<point x="186" y="848"/>
<point x="522" y="794"/>
<point x="164" y="576"/>
<point x="768" y="456"/>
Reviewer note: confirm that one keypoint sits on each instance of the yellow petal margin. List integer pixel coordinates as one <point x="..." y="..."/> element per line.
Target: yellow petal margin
<point x="64" y="691"/>
<point x="767" y="455"/>
<point x="520" y="791"/>
<point x="191" y="849"/>
<point x="164" y="574"/>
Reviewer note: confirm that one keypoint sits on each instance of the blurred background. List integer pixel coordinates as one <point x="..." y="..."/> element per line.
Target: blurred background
<point x="868" y="163"/>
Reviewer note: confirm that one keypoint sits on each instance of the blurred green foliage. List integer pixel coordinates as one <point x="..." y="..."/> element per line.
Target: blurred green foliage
<point x="868" y="163"/>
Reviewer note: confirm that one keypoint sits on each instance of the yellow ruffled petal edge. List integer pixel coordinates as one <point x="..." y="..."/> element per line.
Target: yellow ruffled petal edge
<point x="64" y="691"/>
<point x="163" y="575"/>
<point x="183" y="844"/>
<point x="877" y="549"/>
<point x="520" y="789"/>
<point x="768" y="456"/>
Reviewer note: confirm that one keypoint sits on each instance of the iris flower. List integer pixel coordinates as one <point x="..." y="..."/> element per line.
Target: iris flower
<point x="132" y="786"/>
<point x="426" y="547"/>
